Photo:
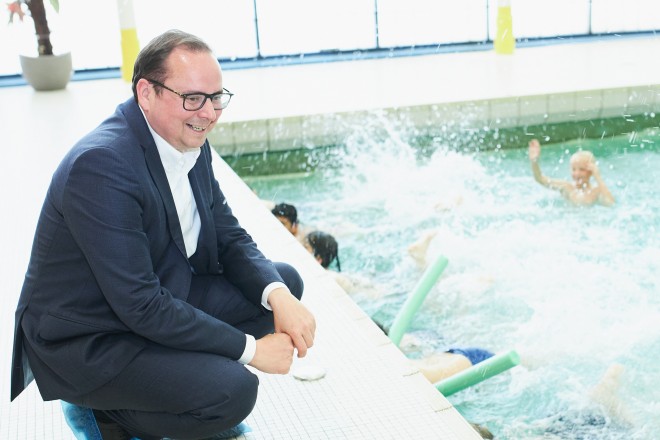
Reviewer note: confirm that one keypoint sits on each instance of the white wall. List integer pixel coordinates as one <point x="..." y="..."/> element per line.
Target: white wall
<point x="90" y="29"/>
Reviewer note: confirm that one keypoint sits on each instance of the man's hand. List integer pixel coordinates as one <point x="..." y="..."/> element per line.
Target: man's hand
<point x="274" y="354"/>
<point x="293" y="318"/>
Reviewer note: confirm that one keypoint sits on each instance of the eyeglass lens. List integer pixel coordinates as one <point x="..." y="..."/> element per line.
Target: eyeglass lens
<point x="195" y="101"/>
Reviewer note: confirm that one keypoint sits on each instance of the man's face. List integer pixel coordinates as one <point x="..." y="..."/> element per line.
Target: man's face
<point x="188" y="72"/>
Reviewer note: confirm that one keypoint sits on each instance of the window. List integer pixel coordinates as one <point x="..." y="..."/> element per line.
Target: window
<point x="265" y="28"/>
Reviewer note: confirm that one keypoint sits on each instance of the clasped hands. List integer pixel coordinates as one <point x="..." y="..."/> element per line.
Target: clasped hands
<point x="295" y="328"/>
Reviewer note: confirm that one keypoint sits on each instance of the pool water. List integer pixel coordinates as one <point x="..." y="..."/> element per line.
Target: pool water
<point x="574" y="290"/>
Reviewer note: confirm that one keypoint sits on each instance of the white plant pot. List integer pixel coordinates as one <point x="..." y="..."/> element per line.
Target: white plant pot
<point x="47" y="72"/>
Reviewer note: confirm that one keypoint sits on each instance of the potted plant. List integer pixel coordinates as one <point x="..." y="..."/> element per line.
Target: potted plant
<point x="46" y="71"/>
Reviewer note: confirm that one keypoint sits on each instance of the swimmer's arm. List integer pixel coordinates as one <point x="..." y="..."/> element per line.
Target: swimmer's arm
<point x="605" y="197"/>
<point x="534" y="155"/>
<point x="564" y="187"/>
<point x="538" y="175"/>
<point x="556" y="184"/>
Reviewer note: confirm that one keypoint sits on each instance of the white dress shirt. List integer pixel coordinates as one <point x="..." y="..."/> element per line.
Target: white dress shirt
<point x="177" y="165"/>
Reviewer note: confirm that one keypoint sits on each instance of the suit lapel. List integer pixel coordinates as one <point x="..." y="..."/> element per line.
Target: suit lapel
<point x="202" y="191"/>
<point x="160" y="179"/>
<point x="135" y="120"/>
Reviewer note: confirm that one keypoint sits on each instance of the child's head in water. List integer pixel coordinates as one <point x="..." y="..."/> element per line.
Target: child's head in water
<point x="582" y="167"/>
<point x="324" y="247"/>
<point x="287" y="215"/>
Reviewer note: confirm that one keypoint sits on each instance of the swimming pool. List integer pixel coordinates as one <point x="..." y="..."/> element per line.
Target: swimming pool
<point x="573" y="290"/>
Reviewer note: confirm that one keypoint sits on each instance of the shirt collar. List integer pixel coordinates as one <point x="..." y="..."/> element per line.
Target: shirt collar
<point x="173" y="160"/>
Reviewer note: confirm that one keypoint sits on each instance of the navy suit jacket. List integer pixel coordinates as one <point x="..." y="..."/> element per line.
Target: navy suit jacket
<point x="109" y="272"/>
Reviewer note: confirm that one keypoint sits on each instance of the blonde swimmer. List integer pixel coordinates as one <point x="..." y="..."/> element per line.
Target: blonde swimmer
<point x="583" y="167"/>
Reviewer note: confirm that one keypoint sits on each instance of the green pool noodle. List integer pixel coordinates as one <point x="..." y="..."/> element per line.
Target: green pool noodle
<point x="477" y="373"/>
<point x="415" y="299"/>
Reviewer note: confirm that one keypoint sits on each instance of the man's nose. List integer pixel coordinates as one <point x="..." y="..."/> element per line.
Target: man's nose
<point x="208" y="111"/>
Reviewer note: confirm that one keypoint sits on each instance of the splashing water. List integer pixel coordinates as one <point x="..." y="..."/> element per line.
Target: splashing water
<point x="574" y="290"/>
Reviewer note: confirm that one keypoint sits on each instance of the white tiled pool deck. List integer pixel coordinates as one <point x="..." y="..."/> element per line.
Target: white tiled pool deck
<point x="369" y="391"/>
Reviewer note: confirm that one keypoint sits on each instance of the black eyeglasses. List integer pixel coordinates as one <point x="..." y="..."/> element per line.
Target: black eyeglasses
<point x="194" y="101"/>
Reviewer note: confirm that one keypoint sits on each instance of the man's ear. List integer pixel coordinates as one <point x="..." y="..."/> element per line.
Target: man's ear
<point x="144" y="93"/>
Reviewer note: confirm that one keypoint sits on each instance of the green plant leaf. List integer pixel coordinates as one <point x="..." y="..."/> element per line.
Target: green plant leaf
<point x="56" y="5"/>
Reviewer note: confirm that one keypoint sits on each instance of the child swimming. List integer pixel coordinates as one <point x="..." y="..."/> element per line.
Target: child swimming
<point x="580" y="191"/>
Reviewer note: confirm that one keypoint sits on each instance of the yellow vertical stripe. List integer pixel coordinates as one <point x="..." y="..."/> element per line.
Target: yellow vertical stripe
<point x="504" y="41"/>
<point x="129" y="51"/>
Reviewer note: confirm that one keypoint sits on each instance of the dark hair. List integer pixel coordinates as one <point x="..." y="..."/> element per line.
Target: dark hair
<point x="287" y="211"/>
<point x="150" y="62"/>
<point x="324" y="247"/>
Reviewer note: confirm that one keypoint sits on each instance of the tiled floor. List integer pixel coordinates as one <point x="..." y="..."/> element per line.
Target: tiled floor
<point x="369" y="390"/>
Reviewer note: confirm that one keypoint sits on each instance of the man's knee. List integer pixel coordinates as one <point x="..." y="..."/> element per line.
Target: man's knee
<point x="235" y="401"/>
<point x="242" y="396"/>
<point x="291" y="278"/>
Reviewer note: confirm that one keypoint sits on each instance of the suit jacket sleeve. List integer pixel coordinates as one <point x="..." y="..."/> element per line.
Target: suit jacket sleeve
<point x="110" y="212"/>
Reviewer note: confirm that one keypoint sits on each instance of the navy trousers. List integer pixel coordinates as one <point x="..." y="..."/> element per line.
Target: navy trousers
<point x="181" y="394"/>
